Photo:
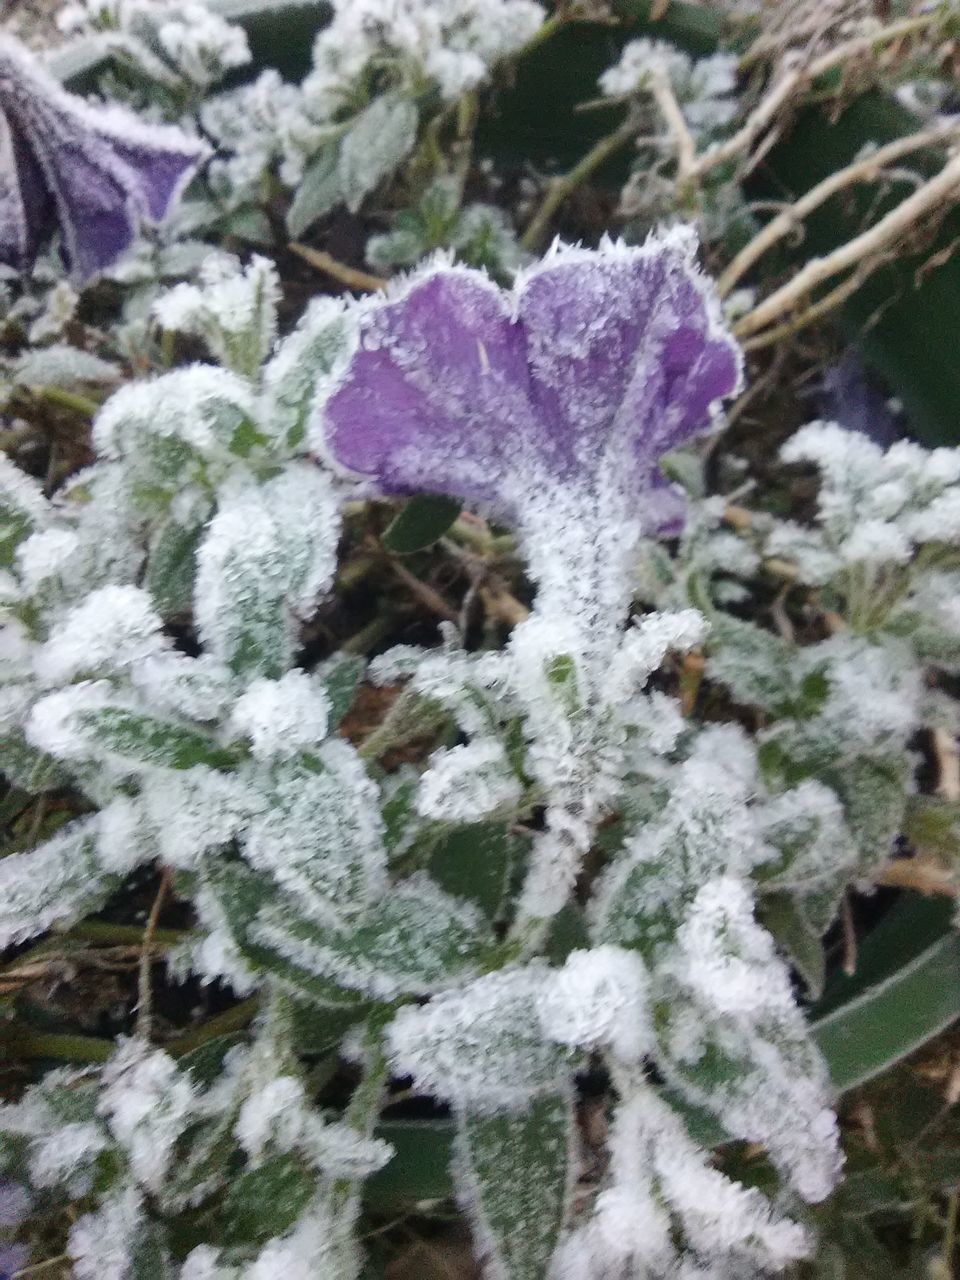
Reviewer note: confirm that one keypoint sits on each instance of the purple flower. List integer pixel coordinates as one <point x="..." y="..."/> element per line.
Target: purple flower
<point x="14" y="1207"/>
<point x="596" y="357"/>
<point x="550" y="405"/>
<point x="13" y="1257"/>
<point x="96" y="172"/>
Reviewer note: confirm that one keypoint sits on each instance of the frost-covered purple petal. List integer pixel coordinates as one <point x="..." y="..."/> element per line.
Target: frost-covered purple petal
<point x="97" y="173"/>
<point x="595" y="365"/>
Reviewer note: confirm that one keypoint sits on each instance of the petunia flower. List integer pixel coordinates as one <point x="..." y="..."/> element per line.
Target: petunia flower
<point x="96" y="172"/>
<point x="549" y="407"/>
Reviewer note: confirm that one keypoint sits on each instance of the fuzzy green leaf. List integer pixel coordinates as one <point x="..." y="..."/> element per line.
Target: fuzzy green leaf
<point x="513" y="1175"/>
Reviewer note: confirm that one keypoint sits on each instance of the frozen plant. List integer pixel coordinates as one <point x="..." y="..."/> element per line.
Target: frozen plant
<point x="550" y="407"/>
<point x="354" y="119"/>
<point x="95" y="173"/>
<point x="408" y="922"/>
<point x="704" y="86"/>
<point x="185" y="42"/>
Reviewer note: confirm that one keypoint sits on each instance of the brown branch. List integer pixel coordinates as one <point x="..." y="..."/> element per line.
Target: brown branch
<point x="864" y="246"/>
<point x="864" y="170"/>
<point x="351" y="277"/>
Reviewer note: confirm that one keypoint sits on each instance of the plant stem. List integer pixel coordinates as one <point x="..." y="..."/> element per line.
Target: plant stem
<point x="562" y="187"/>
<point x="66" y="400"/>
<point x="21" y="1042"/>
<point x="235" y="1019"/>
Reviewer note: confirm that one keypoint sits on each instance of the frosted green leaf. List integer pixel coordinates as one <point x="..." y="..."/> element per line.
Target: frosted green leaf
<point x="268" y="554"/>
<point x="302" y="362"/>
<point x="61" y="365"/>
<point x="55" y="883"/>
<point x="168" y="430"/>
<point x="320" y="836"/>
<point x="233" y="308"/>
<point x="341" y="675"/>
<point x="320" y="190"/>
<point x="198" y="688"/>
<point x="513" y="1174"/>
<point x="136" y="738"/>
<point x="755" y="665"/>
<point x="171" y="566"/>
<point x="264" y="1202"/>
<point x="380" y="139"/>
<point x="416" y="940"/>
<point x="481" y="1046"/>
<point x="241" y="897"/>
<point x="23" y="508"/>
<point x="26" y="767"/>
<point x="734" y="1040"/>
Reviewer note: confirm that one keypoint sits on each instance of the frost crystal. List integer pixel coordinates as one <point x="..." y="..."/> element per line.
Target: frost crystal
<point x="703" y="87"/>
<point x="95" y="172"/>
<point x="599" y="999"/>
<point x="480" y="1047"/>
<point x="147" y="1103"/>
<point x="874" y="507"/>
<point x="282" y="717"/>
<point x="234" y="309"/>
<point x="467" y="783"/>
<point x="114" y="628"/>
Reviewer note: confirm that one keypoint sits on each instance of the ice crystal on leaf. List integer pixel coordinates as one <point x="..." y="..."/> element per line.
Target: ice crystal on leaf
<point x="481" y="1047"/>
<point x="704" y="87"/>
<point x="658" y="1176"/>
<point x="97" y="173"/>
<point x="233" y="309"/>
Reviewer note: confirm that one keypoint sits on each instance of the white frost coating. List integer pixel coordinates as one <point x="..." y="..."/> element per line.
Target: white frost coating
<point x="197" y="811"/>
<point x="644" y="648"/>
<point x="278" y="1117"/>
<point x="198" y="688"/>
<point x="742" y="999"/>
<point x="319" y="1247"/>
<point x="66" y="1156"/>
<point x="125" y="836"/>
<point x="56" y="881"/>
<point x="807" y="824"/>
<point x="216" y="956"/>
<point x="423" y="934"/>
<point x="234" y="310"/>
<point x="203" y="1263"/>
<point x="56" y="721"/>
<point x="874" y="508"/>
<point x="728" y="961"/>
<point x="44" y="555"/>
<point x="202" y="406"/>
<point x="481" y="1047"/>
<point x="273" y="1114"/>
<point x="657" y="1174"/>
<point x="266" y="549"/>
<point x="704" y="87"/>
<point x="101" y="1244"/>
<point x="467" y="783"/>
<point x="599" y="999"/>
<point x="282" y="717"/>
<point x="21" y="495"/>
<point x="319" y="834"/>
<point x="874" y="693"/>
<point x="147" y="1103"/>
<point x="113" y="628"/>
